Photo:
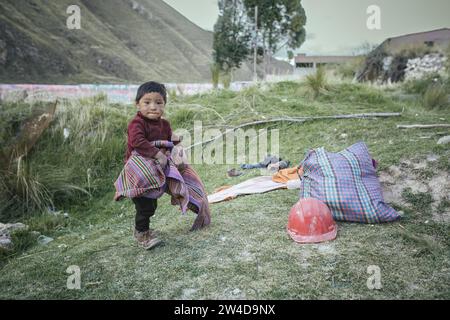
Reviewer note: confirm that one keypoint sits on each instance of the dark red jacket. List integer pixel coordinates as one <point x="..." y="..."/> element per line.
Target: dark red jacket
<point x="142" y="130"/>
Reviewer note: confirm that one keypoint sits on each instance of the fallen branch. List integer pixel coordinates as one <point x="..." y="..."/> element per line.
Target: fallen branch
<point x="29" y="134"/>
<point x="300" y="120"/>
<point x="422" y="126"/>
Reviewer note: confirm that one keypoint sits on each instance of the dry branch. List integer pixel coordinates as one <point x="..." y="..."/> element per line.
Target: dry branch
<point x="301" y="120"/>
<point x="422" y="126"/>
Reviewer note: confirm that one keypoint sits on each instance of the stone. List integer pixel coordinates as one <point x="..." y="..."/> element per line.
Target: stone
<point x="44" y="239"/>
<point x="444" y="140"/>
<point x="432" y="157"/>
<point x="6" y="229"/>
<point x="5" y="242"/>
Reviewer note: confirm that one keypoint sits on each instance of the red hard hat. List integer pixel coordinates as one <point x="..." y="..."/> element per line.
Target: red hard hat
<point x="310" y="220"/>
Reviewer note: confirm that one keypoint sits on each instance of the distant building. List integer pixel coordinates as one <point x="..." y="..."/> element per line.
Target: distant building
<point x="304" y="61"/>
<point x="438" y="37"/>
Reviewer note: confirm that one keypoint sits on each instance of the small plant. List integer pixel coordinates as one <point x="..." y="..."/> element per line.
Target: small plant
<point x="172" y="94"/>
<point x="435" y="97"/>
<point x="317" y="82"/>
<point x="47" y="222"/>
<point x="22" y="187"/>
<point x="226" y="79"/>
<point x="215" y="75"/>
<point x="420" y="201"/>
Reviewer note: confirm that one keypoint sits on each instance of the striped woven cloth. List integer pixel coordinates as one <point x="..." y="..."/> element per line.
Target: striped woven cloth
<point x="143" y="177"/>
<point x="347" y="182"/>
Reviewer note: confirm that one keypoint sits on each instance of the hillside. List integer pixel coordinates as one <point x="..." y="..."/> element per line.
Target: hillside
<point x="119" y="41"/>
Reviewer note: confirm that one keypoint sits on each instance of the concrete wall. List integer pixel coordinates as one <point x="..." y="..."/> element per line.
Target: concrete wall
<point x="115" y="93"/>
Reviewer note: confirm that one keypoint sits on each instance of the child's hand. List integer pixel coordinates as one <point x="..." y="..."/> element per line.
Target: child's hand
<point x="162" y="159"/>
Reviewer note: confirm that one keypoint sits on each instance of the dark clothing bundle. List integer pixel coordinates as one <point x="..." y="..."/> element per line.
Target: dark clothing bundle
<point x="269" y="159"/>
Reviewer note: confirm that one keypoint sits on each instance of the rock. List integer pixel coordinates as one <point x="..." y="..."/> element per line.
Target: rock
<point x="5" y="242"/>
<point x="418" y="68"/>
<point x="432" y="157"/>
<point x="7" y="229"/>
<point x="236" y="291"/>
<point x="444" y="140"/>
<point x="44" y="240"/>
<point x="66" y="133"/>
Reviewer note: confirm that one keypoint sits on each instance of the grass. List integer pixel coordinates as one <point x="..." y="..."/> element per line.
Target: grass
<point x="246" y="252"/>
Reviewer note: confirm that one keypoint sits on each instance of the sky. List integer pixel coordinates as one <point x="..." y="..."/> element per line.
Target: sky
<point x="339" y="27"/>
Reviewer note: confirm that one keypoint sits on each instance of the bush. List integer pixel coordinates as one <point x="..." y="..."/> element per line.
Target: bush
<point x="435" y="97"/>
<point x="420" y="86"/>
<point x="317" y="82"/>
<point x="226" y="79"/>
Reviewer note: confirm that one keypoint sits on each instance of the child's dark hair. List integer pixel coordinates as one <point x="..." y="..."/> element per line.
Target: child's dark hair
<point x="149" y="87"/>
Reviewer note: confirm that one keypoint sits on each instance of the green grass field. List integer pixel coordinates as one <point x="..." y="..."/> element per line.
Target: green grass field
<point x="245" y="253"/>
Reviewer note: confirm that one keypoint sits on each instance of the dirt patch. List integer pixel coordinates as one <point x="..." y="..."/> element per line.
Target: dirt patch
<point x="418" y="177"/>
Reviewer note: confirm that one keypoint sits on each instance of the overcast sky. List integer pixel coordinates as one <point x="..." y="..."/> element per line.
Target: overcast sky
<point x="339" y="26"/>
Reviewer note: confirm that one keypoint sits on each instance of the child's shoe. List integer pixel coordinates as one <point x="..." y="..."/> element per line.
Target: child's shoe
<point x="146" y="239"/>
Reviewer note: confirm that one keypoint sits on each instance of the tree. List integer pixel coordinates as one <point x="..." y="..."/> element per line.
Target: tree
<point x="280" y="22"/>
<point x="231" y="44"/>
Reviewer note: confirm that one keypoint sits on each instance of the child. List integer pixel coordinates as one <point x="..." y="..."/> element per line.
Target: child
<point x="149" y="170"/>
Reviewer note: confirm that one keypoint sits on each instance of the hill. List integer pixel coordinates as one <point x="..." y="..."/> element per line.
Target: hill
<point x="119" y="41"/>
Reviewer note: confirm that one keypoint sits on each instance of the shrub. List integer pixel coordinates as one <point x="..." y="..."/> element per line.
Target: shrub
<point x="435" y="97"/>
<point x="420" y="86"/>
<point x="317" y="82"/>
<point x="226" y="79"/>
<point x="172" y="95"/>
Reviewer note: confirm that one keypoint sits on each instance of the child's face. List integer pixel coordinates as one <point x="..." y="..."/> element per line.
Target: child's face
<point x="151" y="105"/>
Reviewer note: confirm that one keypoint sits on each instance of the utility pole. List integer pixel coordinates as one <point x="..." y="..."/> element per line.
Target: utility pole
<point x="255" y="75"/>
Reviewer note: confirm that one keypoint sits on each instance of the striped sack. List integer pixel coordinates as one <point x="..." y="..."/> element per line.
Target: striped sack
<point x="143" y="177"/>
<point x="347" y="182"/>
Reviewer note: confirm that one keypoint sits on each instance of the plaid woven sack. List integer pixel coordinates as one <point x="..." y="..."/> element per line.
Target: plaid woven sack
<point x="347" y="182"/>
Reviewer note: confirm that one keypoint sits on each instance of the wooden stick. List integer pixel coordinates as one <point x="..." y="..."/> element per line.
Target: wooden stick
<point x="422" y="126"/>
<point x="301" y="120"/>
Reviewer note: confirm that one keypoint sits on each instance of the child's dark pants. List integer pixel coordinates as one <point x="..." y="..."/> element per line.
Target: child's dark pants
<point x="145" y="208"/>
